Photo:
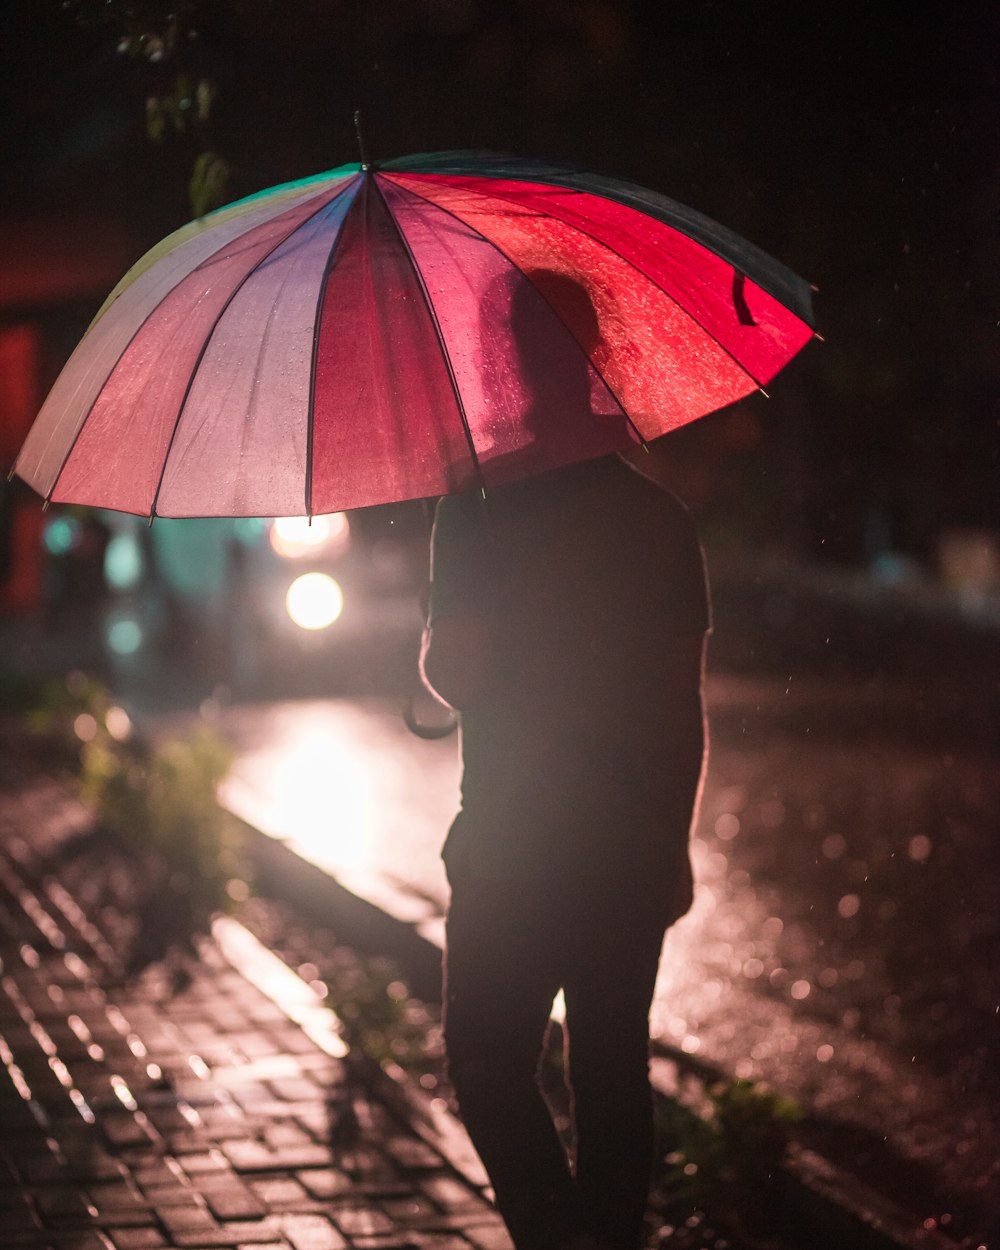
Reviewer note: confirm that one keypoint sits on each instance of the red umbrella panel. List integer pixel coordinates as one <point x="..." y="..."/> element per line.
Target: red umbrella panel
<point x="384" y="333"/>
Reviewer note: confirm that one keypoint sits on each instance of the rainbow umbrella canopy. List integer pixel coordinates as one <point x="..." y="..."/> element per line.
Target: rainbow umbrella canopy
<point x="427" y="325"/>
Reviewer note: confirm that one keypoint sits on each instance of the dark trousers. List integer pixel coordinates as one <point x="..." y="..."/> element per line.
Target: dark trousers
<point x="513" y="940"/>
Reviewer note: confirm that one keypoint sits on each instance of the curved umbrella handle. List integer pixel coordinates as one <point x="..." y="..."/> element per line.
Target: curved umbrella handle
<point x="423" y="729"/>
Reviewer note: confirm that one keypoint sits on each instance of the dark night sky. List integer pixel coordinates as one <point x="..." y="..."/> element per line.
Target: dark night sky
<point x="864" y="153"/>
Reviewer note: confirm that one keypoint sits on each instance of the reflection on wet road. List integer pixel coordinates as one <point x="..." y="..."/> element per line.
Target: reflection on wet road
<point x="845" y="937"/>
<point x="348" y="787"/>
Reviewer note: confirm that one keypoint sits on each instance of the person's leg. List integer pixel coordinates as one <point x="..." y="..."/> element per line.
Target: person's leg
<point x="608" y="991"/>
<point x="615" y="929"/>
<point x="500" y="979"/>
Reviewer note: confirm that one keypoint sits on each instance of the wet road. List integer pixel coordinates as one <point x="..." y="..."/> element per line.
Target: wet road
<point x="844" y="942"/>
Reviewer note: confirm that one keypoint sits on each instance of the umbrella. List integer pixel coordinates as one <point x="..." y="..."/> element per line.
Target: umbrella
<point x="395" y="331"/>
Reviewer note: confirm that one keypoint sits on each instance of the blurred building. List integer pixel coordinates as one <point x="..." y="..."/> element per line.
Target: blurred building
<point x="54" y="272"/>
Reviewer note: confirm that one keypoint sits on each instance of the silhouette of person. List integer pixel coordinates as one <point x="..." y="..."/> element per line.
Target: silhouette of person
<point x="541" y="389"/>
<point x="567" y="620"/>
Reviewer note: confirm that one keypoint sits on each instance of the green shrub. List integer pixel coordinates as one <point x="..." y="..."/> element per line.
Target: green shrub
<point x="729" y="1160"/>
<point x="161" y="852"/>
<point x="378" y="1018"/>
<point x="164" y="797"/>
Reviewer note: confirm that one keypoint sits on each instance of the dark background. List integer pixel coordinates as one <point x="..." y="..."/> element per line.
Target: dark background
<point x="863" y="153"/>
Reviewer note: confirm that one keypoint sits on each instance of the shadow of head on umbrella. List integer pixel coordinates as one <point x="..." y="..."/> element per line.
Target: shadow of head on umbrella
<point x="541" y="345"/>
<point x="567" y="297"/>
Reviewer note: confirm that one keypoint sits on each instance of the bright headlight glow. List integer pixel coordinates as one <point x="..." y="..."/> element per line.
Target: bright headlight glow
<point x="293" y="536"/>
<point x="314" y="601"/>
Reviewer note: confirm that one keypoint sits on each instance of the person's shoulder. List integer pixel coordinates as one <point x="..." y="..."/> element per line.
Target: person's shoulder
<point x="464" y="509"/>
<point x="650" y="493"/>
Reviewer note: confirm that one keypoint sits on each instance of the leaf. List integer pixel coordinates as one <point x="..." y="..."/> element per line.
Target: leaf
<point x="205" y="96"/>
<point x="156" y="119"/>
<point x="207" y="188"/>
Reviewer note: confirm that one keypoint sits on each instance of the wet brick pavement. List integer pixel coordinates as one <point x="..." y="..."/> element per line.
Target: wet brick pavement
<point x="203" y="1120"/>
<point x="843" y="946"/>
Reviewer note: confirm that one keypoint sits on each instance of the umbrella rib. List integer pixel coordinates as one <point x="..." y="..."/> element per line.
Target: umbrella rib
<point x="311" y="411"/>
<point x="208" y="338"/>
<point x="428" y="303"/>
<point x="135" y="334"/>
<point x="487" y="195"/>
<point x="514" y="265"/>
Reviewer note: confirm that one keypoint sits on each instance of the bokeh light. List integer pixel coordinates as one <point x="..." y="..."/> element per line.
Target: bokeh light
<point x="123" y="565"/>
<point x="314" y="601"/>
<point x="920" y="847"/>
<point x="60" y="535"/>
<point x="249" y="530"/>
<point x="849" y="906"/>
<point x="117" y="723"/>
<point x="295" y="536"/>
<point x="124" y="636"/>
<point x="727" y="826"/>
<point x="834" y="845"/>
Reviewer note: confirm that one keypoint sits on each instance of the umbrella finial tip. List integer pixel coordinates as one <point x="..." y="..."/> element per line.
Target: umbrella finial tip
<point x="358" y="130"/>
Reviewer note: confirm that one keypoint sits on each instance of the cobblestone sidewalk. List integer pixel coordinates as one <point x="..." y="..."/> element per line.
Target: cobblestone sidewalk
<point x="208" y="1119"/>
